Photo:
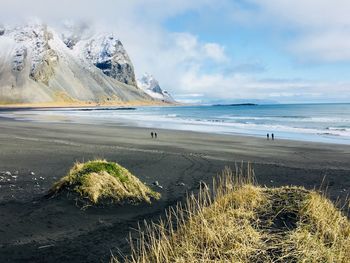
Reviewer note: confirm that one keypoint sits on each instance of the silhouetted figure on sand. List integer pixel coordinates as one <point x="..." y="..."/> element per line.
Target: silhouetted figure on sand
<point x="152" y="134"/>
<point x="272" y="136"/>
<point x="268" y="136"/>
<point x="155" y="135"/>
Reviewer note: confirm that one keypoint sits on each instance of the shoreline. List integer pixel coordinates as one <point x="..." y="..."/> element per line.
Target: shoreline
<point x="173" y="135"/>
<point x="127" y="125"/>
<point x="124" y="122"/>
<point x="36" y="229"/>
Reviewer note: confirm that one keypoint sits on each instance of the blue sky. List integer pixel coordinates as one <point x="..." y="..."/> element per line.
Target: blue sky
<point x="223" y="50"/>
<point x="264" y="49"/>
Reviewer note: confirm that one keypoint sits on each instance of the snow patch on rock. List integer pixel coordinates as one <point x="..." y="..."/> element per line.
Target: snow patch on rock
<point x="32" y="48"/>
<point x="107" y="53"/>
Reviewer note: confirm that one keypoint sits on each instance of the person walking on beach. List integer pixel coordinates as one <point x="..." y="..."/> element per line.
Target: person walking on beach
<point x="272" y="136"/>
<point x="152" y="134"/>
<point x="268" y="136"/>
<point x="155" y="135"/>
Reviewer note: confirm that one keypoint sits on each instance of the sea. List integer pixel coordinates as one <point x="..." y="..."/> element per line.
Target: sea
<point x="328" y="123"/>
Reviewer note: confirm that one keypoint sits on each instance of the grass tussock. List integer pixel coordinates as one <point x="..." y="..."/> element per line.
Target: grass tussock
<point x="101" y="180"/>
<point x="238" y="221"/>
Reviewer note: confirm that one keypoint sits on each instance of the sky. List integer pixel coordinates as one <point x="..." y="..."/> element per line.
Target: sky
<point x="203" y="51"/>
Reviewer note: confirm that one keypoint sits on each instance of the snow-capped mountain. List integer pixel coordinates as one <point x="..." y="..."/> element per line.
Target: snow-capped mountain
<point x="105" y="51"/>
<point x="108" y="54"/>
<point x="151" y="86"/>
<point x="37" y="64"/>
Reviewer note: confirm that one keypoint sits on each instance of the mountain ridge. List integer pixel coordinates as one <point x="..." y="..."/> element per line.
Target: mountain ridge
<point x="38" y="66"/>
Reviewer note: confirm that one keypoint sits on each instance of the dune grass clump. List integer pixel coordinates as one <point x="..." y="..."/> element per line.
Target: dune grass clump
<point x="100" y="180"/>
<point x="239" y="221"/>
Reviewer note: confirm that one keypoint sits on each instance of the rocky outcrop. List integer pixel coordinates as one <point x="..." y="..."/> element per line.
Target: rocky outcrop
<point x="2" y="30"/>
<point x="45" y="69"/>
<point x="151" y="86"/>
<point x="107" y="53"/>
<point x="32" y="48"/>
<point x="19" y="58"/>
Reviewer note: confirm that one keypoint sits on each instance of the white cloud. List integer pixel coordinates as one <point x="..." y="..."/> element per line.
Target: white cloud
<point x="195" y="50"/>
<point x="186" y="41"/>
<point x="108" y="11"/>
<point x="215" y="51"/>
<point x="330" y="46"/>
<point x="242" y="86"/>
<point x="311" y="14"/>
<point x="169" y="56"/>
<point x="320" y="28"/>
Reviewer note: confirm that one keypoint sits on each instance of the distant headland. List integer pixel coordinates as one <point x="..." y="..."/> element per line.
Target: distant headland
<point x="236" y="104"/>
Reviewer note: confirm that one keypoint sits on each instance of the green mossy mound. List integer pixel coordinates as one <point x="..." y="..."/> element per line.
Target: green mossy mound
<point x="99" y="180"/>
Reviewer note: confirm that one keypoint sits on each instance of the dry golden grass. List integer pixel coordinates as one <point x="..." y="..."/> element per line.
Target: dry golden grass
<point x="101" y="180"/>
<point x="323" y="233"/>
<point x="238" y="221"/>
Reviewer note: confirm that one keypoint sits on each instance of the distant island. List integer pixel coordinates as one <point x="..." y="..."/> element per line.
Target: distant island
<point x="236" y="104"/>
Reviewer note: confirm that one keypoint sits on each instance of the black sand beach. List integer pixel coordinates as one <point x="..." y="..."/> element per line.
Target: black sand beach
<point x="36" y="229"/>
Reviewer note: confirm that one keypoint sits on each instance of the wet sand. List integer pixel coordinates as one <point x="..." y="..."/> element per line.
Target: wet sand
<point x="36" y="229"/>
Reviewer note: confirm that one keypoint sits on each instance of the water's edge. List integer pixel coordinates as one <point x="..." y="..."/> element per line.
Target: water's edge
<point x="328" y="123"/>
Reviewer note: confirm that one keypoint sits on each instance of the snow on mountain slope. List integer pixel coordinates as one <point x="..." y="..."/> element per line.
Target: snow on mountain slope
<point x="151" y="86"/>
<point x="107" y="53"/>
<point x="36" y="65"/>
<point x="31" y="43"/>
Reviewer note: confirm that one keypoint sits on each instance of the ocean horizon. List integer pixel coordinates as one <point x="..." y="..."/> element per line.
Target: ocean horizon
<point x="328" y="123"/>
